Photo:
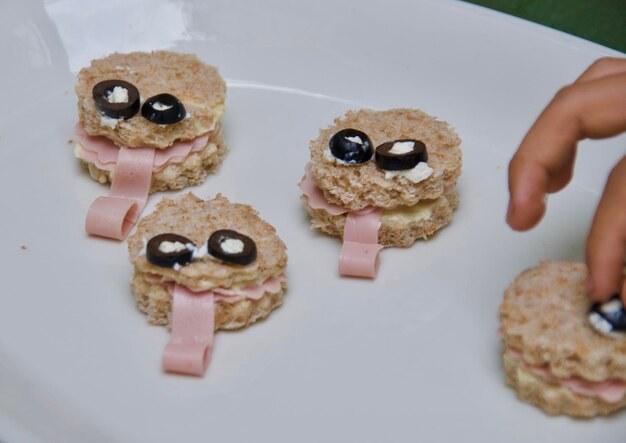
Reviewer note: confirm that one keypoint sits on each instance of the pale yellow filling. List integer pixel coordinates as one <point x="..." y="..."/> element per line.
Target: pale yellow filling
<point x="418" y="212"/>
<point x="219" y="110"/>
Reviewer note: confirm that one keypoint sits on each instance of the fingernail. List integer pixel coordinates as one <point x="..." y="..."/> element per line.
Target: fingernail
<point x="589" y="286"/>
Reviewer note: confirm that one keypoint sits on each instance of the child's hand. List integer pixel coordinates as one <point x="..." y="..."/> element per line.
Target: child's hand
<point x="592" y="107"/>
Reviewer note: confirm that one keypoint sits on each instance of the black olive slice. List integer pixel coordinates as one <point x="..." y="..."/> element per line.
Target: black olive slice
<point x="163" y="109"/>
<point x="398" y="155"/>
<point x="351" y="146"/>
<point x="116" y="99"/>
<point x="168" y="250"/>
<point x="609" y="317"/>
<point x="232" y="246"/>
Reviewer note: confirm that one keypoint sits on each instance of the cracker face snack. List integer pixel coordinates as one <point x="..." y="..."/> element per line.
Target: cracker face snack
<point x="381" y="179"/>
<point x="201" y="266"/>
<point x="554" y="355"/>
<point x="148" y="122"/>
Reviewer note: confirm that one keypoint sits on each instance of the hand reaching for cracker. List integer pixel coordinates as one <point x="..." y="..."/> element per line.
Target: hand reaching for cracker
<point x="594" y="106"/>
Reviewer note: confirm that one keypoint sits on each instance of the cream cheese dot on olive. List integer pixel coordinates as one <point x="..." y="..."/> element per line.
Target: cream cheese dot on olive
<point x="351" y="146"/>
<point x="170" y="250"/>
<point x="163" y="109"/>
<point x="399" y="155"/>
<point x="232" y="247"/>
<point x="116" y="99"/>
<point x="609" y="318"/>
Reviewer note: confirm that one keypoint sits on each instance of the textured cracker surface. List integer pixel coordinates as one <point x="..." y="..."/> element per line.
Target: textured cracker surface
<point x="197" y="85"/>
<point x="192" y="171"/>
<point x="544" y="315"/>
<point x="358" y="186"/>
<point x="553" y="399"/>
<point x="197" y="219"/>
<point x="154" y="300"/>
<point x="392" y="232"/>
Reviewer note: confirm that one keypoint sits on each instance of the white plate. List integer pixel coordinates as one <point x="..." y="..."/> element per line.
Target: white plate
<point x="410" y="356"/>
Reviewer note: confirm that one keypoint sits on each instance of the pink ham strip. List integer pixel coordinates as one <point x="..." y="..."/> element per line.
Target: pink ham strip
<point x="611" y="391"/>
<point x="271" y="285"/>
<point x="103" y="152"/>
<point x="191" y="341"/>
<point x="360" y="248"/>
<point x="193" y="318"/>
<point x="359" y="252"/>
<point x="99" y="150"/>
<point x="179" y="151"/>
<point x="113" y="216"/>
<point x="315" y="196"/>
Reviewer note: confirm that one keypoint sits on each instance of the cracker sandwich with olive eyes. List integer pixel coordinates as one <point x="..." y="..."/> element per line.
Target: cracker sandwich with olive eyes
<point x="381" y="179"/>
<point x="148" y="122"/>
<point x="561" y="352"/>
<point x="201" y="266"/>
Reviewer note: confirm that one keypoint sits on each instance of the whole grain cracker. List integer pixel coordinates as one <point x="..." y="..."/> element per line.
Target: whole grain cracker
<point x="197" y="85"/>
<point x="197" y="219"/>
<point x="357" y="186"/>
<point x="544" y="315"/>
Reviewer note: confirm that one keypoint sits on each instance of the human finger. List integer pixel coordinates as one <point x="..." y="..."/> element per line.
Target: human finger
<point x="606" y="243"/>
<point x="545" y="159"/>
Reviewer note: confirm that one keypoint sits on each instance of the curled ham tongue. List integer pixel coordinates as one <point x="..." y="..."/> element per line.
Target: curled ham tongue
<point x="113" y="216"/>
<point x="191" y="341"/>
<point x="359" y="251"/>
<point x="360" y="248"/>
<point x="193" y="320"/>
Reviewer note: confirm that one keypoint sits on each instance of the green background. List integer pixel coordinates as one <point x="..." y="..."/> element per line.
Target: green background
<point x="601" y="21"/>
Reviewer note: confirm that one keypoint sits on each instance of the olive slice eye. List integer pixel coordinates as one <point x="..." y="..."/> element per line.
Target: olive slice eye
<point x="351" y="146"/>
<point x="609" y="317"/>
<point x="163" y="109"/>
<point x="398" y="155"/>
<point x="232" y="247"/>
<point x="116" y="99"/>
<point x="170" y="250"/>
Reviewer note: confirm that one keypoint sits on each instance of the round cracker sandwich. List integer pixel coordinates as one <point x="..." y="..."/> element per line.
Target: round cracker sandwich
<point x="381" y="178"/>
<point x="190" y="249"/>
<point x="197" y="86"/>
<point x="554" y="356"/>
<point x="148" y="122"/>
